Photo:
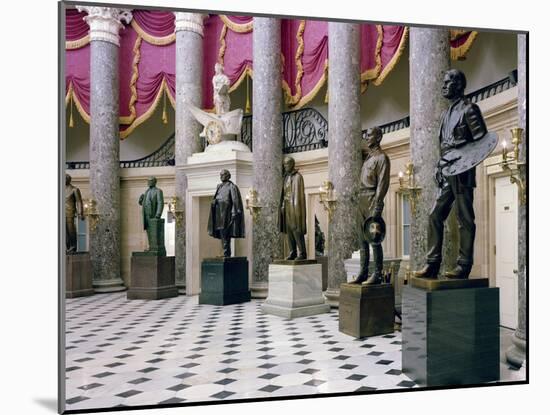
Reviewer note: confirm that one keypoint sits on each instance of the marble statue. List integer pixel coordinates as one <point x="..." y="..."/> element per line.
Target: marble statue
<point x="375" y="182"/>
<point x="226" y="218"/>
<point x="462" y="125"/>
<point x="73" y="207"/>
<point x="220" y="82"/>
<point x="152" y="202"/>
<point x="292" y="213"/>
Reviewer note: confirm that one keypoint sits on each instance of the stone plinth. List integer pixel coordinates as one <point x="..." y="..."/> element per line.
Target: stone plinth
<point x="294" y="289"/>
<point x="156" y="234"/>
<point x="152" y="277"/>
<point x="224" y="281"/>
<point x="78" y="275"/>
<point x="323" y="260"/>
<point x="366" y="310"/>
<point x="450" y="336"/>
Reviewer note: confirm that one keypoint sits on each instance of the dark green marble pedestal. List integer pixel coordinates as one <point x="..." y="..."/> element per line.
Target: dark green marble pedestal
<point x="152" y="277"/>
<point x="224" y="281"/>
<point x="450" y="335"/>
<point x="78" y="281"/>
<point x="366" y="310"/>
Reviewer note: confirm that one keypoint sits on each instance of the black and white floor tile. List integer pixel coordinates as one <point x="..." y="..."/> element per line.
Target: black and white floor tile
<point x="130" y="353"/>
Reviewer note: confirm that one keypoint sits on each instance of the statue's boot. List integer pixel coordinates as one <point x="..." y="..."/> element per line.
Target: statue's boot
<point x="459" y="272"/>
<point x="429" y="271"/>
<point x="375" y="278"/>
<point x="301" y="256"/>
<point x="292" y="256"/>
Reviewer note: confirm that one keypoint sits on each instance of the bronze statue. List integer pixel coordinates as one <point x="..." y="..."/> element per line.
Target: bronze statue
<point x="375" y="181"/>
<point x="152" y="202"/>
<point x="226" y="218"/>
<point x="292" y="213"/>
<point x="73" y="207"/>
<point x="462" y="125"/>
<point x="319" y="239"/>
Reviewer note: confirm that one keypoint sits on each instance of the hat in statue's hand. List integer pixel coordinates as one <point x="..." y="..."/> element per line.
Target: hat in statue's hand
<point x="374" y="230"/>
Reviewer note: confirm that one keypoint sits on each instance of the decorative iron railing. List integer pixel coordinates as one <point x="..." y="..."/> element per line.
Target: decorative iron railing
<point x="303" y="130"/>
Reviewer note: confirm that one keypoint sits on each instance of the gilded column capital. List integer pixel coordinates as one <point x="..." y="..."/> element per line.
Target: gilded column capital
<point x="105" y="22"/>
<point x="191" y="22"/>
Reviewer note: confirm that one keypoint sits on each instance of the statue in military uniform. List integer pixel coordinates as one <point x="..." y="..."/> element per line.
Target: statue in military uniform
<point x="462" y="124"/>
<point x="73" y="207"/>
<point x="375" y="181"/>
<point x="152" y="202"/>
<point x="292" y="213"/>
<point x="226" y="218"/>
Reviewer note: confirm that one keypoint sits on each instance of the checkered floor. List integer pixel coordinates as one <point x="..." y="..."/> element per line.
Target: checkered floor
<point x="128" y="353"/>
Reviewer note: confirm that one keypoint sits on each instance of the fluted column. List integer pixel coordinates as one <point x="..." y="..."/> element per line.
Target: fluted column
<point x="267" y="145"/>
<point x="189" y="57"/>
<point x="344" y="149"/>
<point x="429" y="60"/>
<point x="515" y="355"/>
<point x="105" y="23"/>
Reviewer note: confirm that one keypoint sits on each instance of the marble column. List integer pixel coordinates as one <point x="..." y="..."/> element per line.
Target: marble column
<point x="429" y="60"/>
<point x="105" y="23"/>
<point x="344" y="149"/>
<point x="268" y="152"/>
<point x="189" y="57"/>
<point x="515" y="355"/>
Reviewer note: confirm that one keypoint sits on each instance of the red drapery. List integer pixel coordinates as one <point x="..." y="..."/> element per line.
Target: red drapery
<point x="147" y="59"/>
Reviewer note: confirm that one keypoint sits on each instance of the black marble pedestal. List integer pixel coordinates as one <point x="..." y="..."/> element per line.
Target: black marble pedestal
<point x="78" y="281"/>
<point x="224" y="281"/>
<point x="152" y="277"/>
<point x="366" y="310"/>
<point x="450" y="333"/>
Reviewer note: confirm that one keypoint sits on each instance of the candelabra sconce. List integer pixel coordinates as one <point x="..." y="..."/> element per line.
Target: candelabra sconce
<point x="174" y="207"/>
<point x="90" y="210"/>
<point x="408" y="186"/>
<point x="511" y="162"/>
<point x="327" y="198"/>
<point x="252" y="204"/>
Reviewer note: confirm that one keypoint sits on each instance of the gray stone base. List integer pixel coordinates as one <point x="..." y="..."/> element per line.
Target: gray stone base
<point x="366" y="310"/>
<point x="515" y="355"/>
<point x="332" y="297"/>
<point x="152" y="277"/>
<point x="323" y="260"/>
<point x="295" y="290"/>
<point x="451" y="336"/>
<point x="109" y="286"/>
<point x="258" y="290"/>
<point x="78" y="275"/>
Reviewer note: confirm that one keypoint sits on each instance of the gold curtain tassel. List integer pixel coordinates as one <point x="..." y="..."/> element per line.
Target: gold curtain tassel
<point x="247" y="106"/>
<point x="71" y="121"/>
<point x="164" y="115"/>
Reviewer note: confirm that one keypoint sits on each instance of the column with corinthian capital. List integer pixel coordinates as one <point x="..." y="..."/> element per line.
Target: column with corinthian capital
<point x="189" y="56"/>
<point x="344" y="149"/>
<point x="105" y="23"/>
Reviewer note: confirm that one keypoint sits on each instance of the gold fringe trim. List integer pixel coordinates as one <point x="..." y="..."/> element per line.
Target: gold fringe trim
<point x="164" y="40"/>
<point x="135" y="74"/>
<point x="78" y="43"/>
<point x="294" y="99"/>
<point x="311" y="94"/>
<point x="247" y="107"/>
<point x="72" y="96"/>
<point x="374" y="72"/>
<point x="223" y="45"/>
<point x="246" y="72"/>
<point x="460" y="52"/>
<point x="71" y="121"/>
<point x="147" y="114"/>
<point x="394" y="60"/>
<point x="236" y="27"/>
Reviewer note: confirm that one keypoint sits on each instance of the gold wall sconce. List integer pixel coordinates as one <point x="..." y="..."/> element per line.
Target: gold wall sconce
<point x="175" y="208"/>
<point x="252" y="204"/>
<point x="511" y="162"/>
<point x="90" y="210"/>
<point x="327" y="198"/>
<point x="408" y="186"/>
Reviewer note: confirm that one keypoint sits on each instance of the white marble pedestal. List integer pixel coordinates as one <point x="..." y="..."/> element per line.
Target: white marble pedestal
<point x="295" y="289"/>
